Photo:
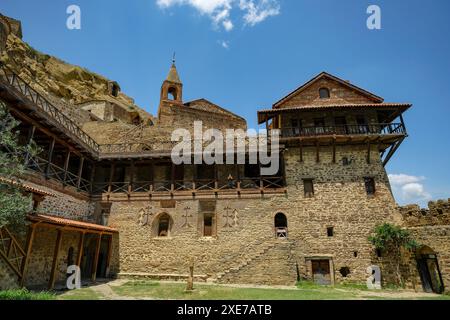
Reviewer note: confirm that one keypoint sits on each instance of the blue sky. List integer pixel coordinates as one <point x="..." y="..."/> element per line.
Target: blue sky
<point x="246" y="54"/>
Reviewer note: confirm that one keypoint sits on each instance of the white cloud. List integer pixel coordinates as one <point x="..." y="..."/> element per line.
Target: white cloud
<point x="224" y="44"/>
<point x="402" y="179"/>
<point x="409" y="188"/>
<point x="258" y="11"/>
<point x="219" y="11"/>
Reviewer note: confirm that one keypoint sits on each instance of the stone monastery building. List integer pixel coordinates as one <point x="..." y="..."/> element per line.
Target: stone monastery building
<point x="108" y="198"/>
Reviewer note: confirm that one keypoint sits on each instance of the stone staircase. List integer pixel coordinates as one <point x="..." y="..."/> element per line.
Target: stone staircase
<point x="272" y="263"/>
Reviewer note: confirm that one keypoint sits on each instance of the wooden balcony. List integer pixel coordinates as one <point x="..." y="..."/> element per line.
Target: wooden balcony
<point x="257" y="185"/>
<point x="378" y="129"/>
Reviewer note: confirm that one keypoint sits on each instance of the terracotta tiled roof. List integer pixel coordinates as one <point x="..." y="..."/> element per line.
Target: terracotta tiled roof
<point x="26" y="186"/>
<point x="401" y="106"/>
<point x="58" y="221"/>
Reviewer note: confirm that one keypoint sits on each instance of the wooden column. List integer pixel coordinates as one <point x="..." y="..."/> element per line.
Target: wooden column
<point x="403" y="122"/>
<point x="26" y="259"/>
<point x="80" y="249"/>
<point x="368" y="152"/>
<point x="66" y="165"/>
<point x="97" y="252"/>
<point x="172" y="177"/>
<point x="216" y="177"/>
<point x="317" y="151"/>
<point x="29" y="139"/>
<point x="108" y="260"/>
<point x="80" y="172"/>
<point x="111" y="176"/>
<point x="300" y="147"/>
<point x="267" y="124"/>
<point x="51" y="283"/>
<point x="152" y="176"/>
<point x="50" y="157"/>
<point x="92" y="176"/>
<point x="334" y="150"/>
<point x="132" y="169"/>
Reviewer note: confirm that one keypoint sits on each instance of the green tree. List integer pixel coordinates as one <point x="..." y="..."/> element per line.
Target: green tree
<point x="14" y="203"/>
<point x="389" y="237"/>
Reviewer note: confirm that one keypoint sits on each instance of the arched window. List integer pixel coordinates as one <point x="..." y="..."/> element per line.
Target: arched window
<point x="164" y="225"/>
<point x="324" y="93"/>
<point x="281" y="225"/>
<point x="172" y="94"/>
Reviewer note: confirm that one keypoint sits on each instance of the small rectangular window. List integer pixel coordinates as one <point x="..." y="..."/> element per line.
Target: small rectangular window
<point x="309" y="188"/>
<point x="208" y="225"/>
<point x="330" y="232"/>
<point x="370" y="185"/>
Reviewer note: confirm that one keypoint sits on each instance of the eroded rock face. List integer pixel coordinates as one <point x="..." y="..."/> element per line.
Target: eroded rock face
<point x="54" y="77"/>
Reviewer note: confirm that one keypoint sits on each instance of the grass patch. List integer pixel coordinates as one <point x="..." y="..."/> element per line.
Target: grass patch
<point x="24" y="294"/>
<point x="80" y="294"/>
<point x="177" y="291"/>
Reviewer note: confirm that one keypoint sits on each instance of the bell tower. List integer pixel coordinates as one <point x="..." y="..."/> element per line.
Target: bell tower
<point x="172" y="88"/>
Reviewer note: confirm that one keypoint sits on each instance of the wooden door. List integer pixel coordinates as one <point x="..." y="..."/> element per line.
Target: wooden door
<point x="321" y="272"/>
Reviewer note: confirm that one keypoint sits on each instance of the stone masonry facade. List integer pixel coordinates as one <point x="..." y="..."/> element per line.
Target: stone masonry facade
<point x="313" y="226"/>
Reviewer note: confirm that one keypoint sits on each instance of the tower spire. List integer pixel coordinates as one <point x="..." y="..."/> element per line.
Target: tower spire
<point x="173" y="73"/>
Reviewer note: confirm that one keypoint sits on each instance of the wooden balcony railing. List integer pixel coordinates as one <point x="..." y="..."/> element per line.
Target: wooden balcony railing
<point x="199" y="185"/>
<point x="53" y="113"/>
<point x="52" y="171"/>
<point x="369" y="129"/>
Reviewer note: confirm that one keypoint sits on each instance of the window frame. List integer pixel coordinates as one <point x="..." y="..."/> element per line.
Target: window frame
<point x="309" y="194"/>
<point x="372" y="188"/>
<point x="324" y="89"/>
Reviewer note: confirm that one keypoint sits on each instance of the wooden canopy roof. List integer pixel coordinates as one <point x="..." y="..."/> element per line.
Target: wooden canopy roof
<point x="397" y="109"/>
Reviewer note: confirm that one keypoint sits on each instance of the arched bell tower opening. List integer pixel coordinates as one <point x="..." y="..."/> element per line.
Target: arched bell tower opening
<point x="171" y="90"/>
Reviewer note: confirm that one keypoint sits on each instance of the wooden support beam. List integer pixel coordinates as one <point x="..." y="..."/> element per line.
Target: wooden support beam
<point x="172" y="177"/>
<point x="80" y="172"/>
<point x="111" y="176"/>
<point x="392" y="151"/>
<point x="44" y="129"/>
<point x="92" y="178"/>
<point x="51" y="283"/>
<point x="80" y="249"/>
<point x="29" y="139"/>
<point x="97" y="252"/>
<point x="301" y="150"/>
<point x="267" y="124"/>
<point x="50" y="157"/>
<point x="132" y="170"/>
<point x="216" y="177"/>
<point x="334" y="150"/>
<point x="108" y="260"/>
<point x="368" y="151"/>
<point x="317" y="151"/>
<point x="66" y="166"/>
<point x="403" y="122"/>
<point x="26" y="259"/>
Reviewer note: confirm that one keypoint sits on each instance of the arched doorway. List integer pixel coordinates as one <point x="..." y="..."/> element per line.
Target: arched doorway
<point x="162" y="225"/>
<point x="428" y="267"/>
<point x="281" y="225"/>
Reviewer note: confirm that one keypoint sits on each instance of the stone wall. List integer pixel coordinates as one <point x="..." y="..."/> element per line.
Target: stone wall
<point x="339" y="94"/>
<point x="340" y="201"/>
<point x="438" y="213"/>
<point x="430" y="227"/>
